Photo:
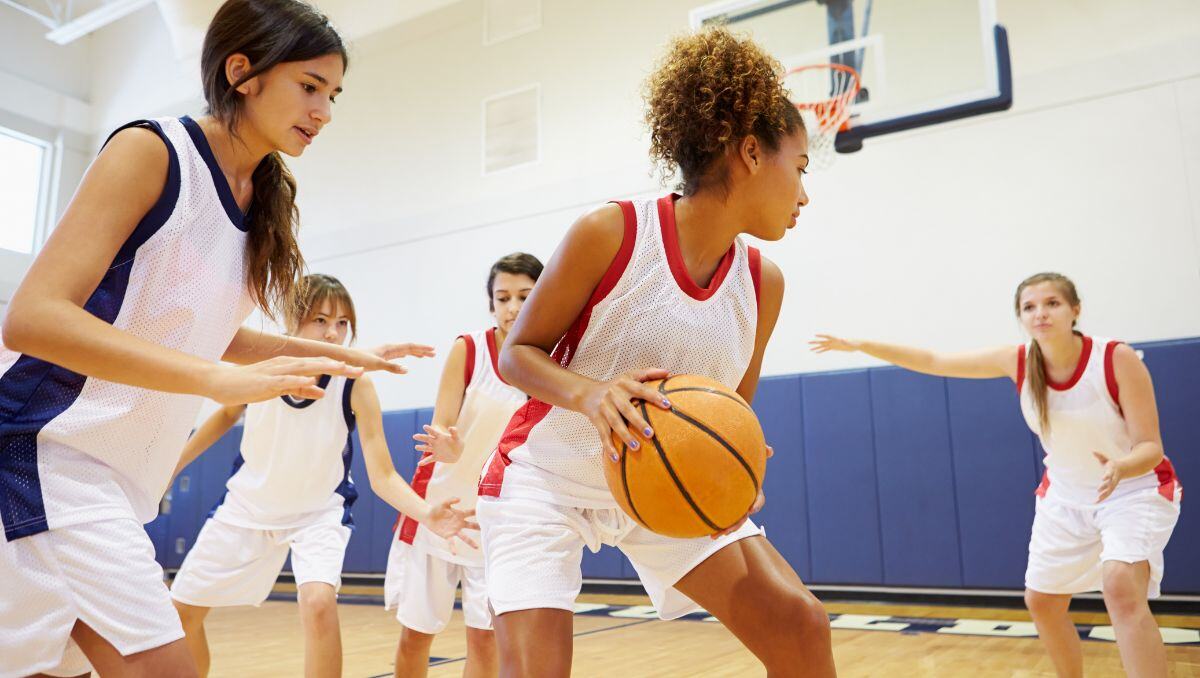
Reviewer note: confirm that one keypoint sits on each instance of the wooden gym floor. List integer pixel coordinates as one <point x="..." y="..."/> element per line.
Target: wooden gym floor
<point x="267" y="641"/>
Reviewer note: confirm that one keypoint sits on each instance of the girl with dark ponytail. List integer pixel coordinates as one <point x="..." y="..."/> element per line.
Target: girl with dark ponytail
<point x="179" y="228"/>
<point x="1109" y="499"/>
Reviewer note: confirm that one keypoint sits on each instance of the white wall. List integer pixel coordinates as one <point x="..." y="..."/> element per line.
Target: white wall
<point x="43" y="93"/>
<point x="921" y="237"/>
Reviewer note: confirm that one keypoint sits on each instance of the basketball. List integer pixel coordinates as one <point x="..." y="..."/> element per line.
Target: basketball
<point x="701" y="471"/>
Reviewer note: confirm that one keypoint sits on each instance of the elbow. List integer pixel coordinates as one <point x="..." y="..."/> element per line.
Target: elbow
<point x="16" y="332"/>
<point x="508" y="364"/>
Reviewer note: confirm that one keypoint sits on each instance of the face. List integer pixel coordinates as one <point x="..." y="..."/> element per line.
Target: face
<point x="509" y="292"/>
<point x="1045" y="312"/>
<point x="289" y="104"/>
<point x="775" y="185"/>
<point x="328" y="322"/>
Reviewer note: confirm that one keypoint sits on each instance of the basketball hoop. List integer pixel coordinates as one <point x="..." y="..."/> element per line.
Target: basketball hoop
<point x="823" y="94"/>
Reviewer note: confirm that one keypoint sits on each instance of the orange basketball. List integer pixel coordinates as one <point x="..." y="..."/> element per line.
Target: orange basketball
<point x="701" y="471"/>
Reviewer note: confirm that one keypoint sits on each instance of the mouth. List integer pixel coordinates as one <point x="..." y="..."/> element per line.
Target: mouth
<point x="306" y="134"/>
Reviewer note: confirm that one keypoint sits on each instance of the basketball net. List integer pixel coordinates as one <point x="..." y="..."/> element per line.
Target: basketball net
<point x="823" y="94"/>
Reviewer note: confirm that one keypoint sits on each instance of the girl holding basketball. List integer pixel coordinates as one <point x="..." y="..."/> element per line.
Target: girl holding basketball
<point x="178" y="230"/>
<point x="636" y="291"/>
<point x="1109" y="499"/>
<point x="474" y="404"/>
<point x="291" y="491"/>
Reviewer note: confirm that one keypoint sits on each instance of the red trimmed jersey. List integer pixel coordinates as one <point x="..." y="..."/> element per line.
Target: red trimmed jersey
<point x="1086" y="417"/>
<point x="647" y="312"/>
<point x="488" y="404"/>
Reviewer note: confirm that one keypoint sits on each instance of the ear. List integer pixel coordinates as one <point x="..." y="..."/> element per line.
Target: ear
<point x="237" y="66"/>
<point x="751" y="153"/>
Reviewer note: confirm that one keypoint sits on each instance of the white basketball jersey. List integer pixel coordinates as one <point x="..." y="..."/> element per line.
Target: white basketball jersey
<point x="294" y="465"/>
<point x="646" y="312"/>
<point x="1085" y="417"/>
<point x="75" y="449"/>
<point x="488" y="404"/>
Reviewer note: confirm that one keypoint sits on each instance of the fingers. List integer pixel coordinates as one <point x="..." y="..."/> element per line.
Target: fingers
<point x="648" y="374"/>
<point x="606" y="443"/>
<point x="427" y="457"/>
<point x="1103" y="459"/>
<point x="617" y="425"/>
<point x="453" y="431"/>
<point x="309" y="367"/>
<point x="736" y="526"/>
<point x="770" y="451"/>
<point x="635" y="421"/>
<point x="466" y="540"/>
<point x="640" y="391"/>
<point x="387" y="366"/>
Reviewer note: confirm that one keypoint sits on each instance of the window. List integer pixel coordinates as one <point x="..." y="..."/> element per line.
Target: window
<point x="21" y="171"/>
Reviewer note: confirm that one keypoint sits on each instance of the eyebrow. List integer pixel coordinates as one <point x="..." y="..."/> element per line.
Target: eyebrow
<point x="323" y="81"/>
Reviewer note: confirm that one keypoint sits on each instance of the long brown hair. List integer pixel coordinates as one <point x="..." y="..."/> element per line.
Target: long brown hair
<point x="312" y="291"/>
<point x="1035" y="368"/>
<point x="267" y="32"/>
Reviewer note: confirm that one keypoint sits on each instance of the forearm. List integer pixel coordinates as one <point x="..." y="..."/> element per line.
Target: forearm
<point x="252" y="346"/>
<point x="391" y="488"/>
<point x="62" y="333"/>
<point x="204" y="437"/>
<point x="1144" y="458"/>
<point x="908" y="357"/>
<point x="530" y="369"/>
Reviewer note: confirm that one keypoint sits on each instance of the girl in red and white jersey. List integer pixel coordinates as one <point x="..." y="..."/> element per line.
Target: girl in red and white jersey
<point x="638" y="290"/>
<point x="1109" y="499"/>
<point x="474" y="404"/>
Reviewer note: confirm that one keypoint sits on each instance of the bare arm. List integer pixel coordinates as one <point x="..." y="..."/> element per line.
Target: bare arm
<point x="1141" y="416"/>
<point x="46" y="317"/>
<point x="989" y="363"/>
<point x="563" y="290"/>
<point x="769" y="303"/>
<point x="209" y="432"/>
<point x="441" y="442"/>
<point x="251" y="346"/>
<point x="386" y="483"/>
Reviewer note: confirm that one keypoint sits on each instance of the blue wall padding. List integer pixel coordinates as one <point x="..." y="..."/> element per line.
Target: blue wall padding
<point x="880" y="477"/>
<point x="843" y="496"/>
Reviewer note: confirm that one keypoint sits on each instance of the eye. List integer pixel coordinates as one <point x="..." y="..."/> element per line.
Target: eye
<point x="308" y="87"/>
<point x="343" y="323"/>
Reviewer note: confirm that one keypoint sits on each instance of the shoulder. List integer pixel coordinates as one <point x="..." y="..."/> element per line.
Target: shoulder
<point x="602" y="227"/>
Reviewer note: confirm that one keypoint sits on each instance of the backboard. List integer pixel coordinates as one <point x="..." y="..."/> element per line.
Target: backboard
<point x="920" y="62"/>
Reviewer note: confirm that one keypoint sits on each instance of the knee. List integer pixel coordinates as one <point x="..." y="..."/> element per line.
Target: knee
<point x="802" y="618"/>
<point x="1040" y="604"/>
<point x="1123" y="597"/>
<point x="319" y="606"/>
<point x="415" y="643"/>
<point x="481" y="642"/>
<point x="190" y="616"/>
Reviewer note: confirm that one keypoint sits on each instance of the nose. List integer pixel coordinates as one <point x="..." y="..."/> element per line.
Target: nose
<point x="323" y="113"/>
<point x="803" y="197"/>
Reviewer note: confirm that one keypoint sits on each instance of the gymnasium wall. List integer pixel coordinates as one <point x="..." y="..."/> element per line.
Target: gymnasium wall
<point x="44" y="91"/>
<point x="881" y="477"/>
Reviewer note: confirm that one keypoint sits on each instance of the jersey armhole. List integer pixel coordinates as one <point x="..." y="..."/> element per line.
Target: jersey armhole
<point x="469" y="368"/>
<point x="1110" y="375"/>
<point x="1020" y="368"/>
<point x="347" y="409"/>
<point x="755" y="258"/>
<point x="162" y="208"/>
<point x="613" y="275"/>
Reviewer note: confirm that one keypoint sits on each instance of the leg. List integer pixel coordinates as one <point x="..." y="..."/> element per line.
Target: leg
<point x="1057" y="631"/>
<point x="535" y="643"/>
<point x="322" y="636"/>
<point x="1138" y="637"/>
<point x="533" y="551"/>
<point x="193" y="628"/>
<point x="482" y="658"/>
<point x="760" y="599"/>
<point x="412" y="654"/>
<point x="168" y="661"/>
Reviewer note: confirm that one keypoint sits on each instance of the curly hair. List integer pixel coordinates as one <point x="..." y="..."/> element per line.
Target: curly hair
<point x="711" y="90"/>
